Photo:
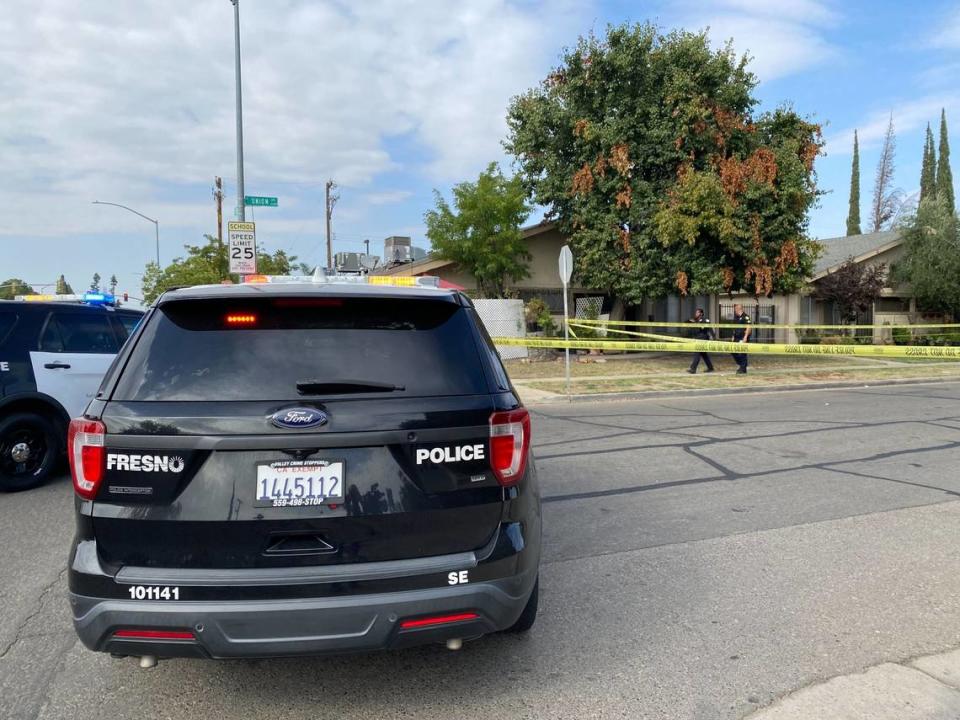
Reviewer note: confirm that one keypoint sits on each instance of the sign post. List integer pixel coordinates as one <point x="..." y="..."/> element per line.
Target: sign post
<point x="566" y="270"/>
<point x="242" y="247"/>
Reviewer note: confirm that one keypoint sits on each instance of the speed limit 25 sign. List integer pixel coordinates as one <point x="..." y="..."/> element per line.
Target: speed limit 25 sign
<point x="242" y="247"/>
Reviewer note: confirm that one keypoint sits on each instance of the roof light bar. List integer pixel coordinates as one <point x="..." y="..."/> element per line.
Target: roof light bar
<point x="423" y="281"/>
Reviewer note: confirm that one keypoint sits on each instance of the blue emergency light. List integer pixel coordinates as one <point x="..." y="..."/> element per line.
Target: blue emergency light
<point x="99" y="298"/>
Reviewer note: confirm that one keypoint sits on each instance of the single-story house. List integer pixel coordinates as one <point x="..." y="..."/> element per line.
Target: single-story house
<point x="896" y="304"/>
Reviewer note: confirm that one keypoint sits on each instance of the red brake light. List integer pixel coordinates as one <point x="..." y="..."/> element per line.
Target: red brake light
<point x="235" y="319"/>
<point x="154" y="634"/>
<point x="509" y="445"/>
<point x="86" y="443"/>
<point x="437" y="620"/>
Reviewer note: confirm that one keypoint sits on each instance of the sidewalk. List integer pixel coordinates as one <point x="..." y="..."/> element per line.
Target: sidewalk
<point x="658" y="376"/>
<point x="926" y="688"/>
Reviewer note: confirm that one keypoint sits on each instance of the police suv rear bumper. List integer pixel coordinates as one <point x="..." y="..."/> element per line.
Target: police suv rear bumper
<point x="287" y="618"/>
<point x="303" y="626"/>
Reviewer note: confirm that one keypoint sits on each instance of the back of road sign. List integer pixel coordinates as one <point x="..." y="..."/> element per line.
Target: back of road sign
<point x="566" y="264"/>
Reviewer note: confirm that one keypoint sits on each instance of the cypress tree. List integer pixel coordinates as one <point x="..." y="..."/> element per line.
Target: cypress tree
<point x="853" y="214"/>
<point x="944" y="175"/>
<point x="928" y="175"/>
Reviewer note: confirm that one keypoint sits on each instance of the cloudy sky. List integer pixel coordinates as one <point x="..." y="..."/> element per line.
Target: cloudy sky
<point x="132" y="102"/>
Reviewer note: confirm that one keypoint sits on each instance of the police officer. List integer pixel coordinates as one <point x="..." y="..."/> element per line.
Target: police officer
<point x="741" y="335"/>
<point x="702" y="332"/>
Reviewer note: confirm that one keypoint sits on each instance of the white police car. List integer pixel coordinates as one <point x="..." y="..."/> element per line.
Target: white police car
<point x="54" y="351"/>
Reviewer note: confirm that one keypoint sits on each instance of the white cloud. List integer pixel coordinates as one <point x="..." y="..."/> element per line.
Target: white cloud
<point x="387" y="197"/>
<point x="121" y="101"/>
<point x="783" y="38"/>
<point x="947" y="34"/>
<point x="907" y="116"/>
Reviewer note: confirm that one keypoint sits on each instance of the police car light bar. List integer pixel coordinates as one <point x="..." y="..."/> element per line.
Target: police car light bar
<point x="90" y="298"/>
<point x="396" y="281"/>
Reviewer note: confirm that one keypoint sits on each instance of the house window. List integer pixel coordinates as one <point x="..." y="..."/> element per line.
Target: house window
<point x="893" y="305"/>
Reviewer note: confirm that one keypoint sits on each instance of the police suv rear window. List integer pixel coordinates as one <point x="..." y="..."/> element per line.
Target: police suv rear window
<point x="292" y="348"/>
<point x="7" y="321"/>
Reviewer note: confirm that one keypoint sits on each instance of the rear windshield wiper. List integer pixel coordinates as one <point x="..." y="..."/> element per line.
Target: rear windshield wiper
<point x="336" y="387"/>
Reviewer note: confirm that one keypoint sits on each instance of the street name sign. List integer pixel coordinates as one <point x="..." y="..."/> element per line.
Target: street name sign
<point x="259" y="201"/>
<point x="242" y="247"/>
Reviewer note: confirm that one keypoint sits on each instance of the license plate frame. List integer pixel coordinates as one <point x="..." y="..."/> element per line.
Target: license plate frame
<point x="299" y="483"/>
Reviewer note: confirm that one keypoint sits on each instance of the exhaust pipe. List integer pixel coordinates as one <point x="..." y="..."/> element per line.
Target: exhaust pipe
<point x="148" y="661"/>
<point x="454" y="644"/>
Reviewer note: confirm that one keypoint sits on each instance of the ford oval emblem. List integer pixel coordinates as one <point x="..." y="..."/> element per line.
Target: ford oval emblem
<point x="299" y="417"/>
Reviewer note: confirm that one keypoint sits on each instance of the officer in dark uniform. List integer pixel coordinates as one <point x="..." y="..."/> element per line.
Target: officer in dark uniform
<point x="703" y="331"/>
<point x="741" y="335"/>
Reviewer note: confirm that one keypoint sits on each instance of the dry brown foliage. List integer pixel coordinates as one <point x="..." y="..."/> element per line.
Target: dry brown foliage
<point x="624" y="198"/>
<point x="600" y="166"/>
<point x="620" y="158"/>
<point x="789" y="257"/>
<point x="728" y="278"/>
<point x="583" y="180"/>
<point x="580" y="128"/>
<point x="625" y="239"/>
<point x="760" y="167"/>
<point x="683" y="282"/>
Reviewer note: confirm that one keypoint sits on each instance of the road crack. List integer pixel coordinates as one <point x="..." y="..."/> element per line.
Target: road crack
<point x="18" y="634"/>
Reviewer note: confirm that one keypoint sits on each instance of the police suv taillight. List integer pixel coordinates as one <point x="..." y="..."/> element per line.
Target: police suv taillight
<point x="86" y="447"/>
<point x="509" y="445"/>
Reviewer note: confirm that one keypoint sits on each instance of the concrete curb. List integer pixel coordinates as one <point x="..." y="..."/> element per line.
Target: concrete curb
<point x="925" y="688"/>
<point x="708" y="392"/>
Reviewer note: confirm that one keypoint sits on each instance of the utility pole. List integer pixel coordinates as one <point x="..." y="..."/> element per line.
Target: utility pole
<point x="366" y="244"/>
<point x="331" y="200"/>
<point x="218" y="197"/>
<point x="241" y="212"/>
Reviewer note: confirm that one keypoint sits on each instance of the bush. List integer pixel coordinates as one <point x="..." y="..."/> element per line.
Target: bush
<point x="545" y="322"/>
<point x="902" y="336"/>
<point x="809" y="337"/>
<point x="838" y="340"/>
<point x="533" y="311"/>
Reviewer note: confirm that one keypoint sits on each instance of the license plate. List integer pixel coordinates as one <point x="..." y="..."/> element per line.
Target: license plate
<point x="299" y="483"/>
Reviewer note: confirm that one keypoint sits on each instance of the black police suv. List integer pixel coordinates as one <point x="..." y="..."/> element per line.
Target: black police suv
<point x="53" y="356"/>
<point x="303" y="468"/>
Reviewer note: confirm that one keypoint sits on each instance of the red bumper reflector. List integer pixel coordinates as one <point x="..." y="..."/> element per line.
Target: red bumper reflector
<point x="437" y="620"/>
<point x="154" y="634"/>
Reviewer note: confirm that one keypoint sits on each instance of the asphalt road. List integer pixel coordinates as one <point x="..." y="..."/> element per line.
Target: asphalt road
<point x="704" y="556"/>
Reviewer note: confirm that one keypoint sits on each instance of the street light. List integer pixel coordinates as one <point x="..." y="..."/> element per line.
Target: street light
<point x="156" y="223"/>
<point x="241" y="209"/>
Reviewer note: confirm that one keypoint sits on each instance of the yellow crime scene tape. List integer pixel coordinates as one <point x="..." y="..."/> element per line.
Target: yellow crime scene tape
<point x="765" y="326"/>
<point x="717" y="346"/>
<point x="651" y="336"/>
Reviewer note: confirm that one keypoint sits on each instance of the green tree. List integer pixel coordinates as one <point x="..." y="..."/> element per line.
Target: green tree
<point x="944" y="174"/>
<point x="646" y="149"/>
<point x="481" y="233"/>
<point x="113" y="284"/>
<point x="206" y="265"/>
<point x="931" y="257"/>
<point x="928" y="172"/>
<point x="12" y="287"/>
<point x="853" y="287"/>
<point x="853" y="214"/>
<point x="63" y="287"/>
<point x="95" y="284"/>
